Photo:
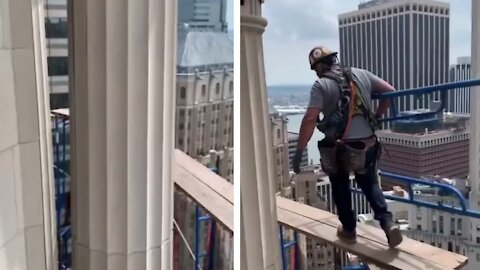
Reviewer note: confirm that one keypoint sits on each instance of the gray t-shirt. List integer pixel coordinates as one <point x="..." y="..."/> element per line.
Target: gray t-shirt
<point x="325" y="94"/>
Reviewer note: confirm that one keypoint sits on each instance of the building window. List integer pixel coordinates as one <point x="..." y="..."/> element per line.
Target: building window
<point x="478" y="257"/>
<point x="441" y="224"/>
<point x="181" y="113"/>
<point x="204" y="90"/>
<point x="419" y="227"/>
<point x="183" y="92"/>
<point x="217" y="89"/>
<point x="452" y="226"/>
<point x="478" y="240"/>
<point x="57" y="65"/>
<point x="181" y="126"/>
<point x="56" y="27"/>
<point x="278" y="133"/>
<point x="230" y="87"/>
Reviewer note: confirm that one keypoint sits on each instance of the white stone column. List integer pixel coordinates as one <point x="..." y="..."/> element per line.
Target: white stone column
<point x="260" y="240"/>
<point x="116" y="136"/>
<point x="162" y="25"/>
<point x="27" y="229"/>
<point x="137" y="132"/>
<point x="123" y="86"/>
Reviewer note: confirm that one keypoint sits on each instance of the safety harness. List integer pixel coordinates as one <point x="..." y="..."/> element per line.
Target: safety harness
<point x="351" y="103"/>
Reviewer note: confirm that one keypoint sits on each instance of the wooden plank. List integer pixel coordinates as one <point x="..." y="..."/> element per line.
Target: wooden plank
<point x="220" y="208"/>
<point x="419" y="254"/>
<point x="450" y="259"/>
<point x="205" y="175"/>
<point x="371" y="252"/>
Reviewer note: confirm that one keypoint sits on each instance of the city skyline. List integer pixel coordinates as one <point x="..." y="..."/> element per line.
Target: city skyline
<point x="298" y="36"/>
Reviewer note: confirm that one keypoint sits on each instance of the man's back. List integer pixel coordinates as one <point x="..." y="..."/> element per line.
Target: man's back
<point x="325" y="94"/>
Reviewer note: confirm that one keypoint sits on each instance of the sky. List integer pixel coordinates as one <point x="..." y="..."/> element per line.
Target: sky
<point x="296" y="26"/>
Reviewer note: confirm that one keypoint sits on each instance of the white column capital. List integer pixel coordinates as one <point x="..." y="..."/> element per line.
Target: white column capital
<point x="253" y="23"/>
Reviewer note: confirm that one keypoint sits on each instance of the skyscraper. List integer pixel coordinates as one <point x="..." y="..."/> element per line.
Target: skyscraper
<point x="459" y="99"/>
<point x="207" y="15"/>
<point x="292" y="148"/>
<point x="406" y="42"/>
<point x="57" y="52"/>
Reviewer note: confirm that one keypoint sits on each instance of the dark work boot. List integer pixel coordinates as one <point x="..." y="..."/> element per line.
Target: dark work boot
<point x="392" y="231"/>
<point x="346" y="236"/>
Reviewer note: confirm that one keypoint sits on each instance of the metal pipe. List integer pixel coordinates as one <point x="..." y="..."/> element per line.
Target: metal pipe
<point x="411" y="180"/>
<point x="196" y="261"/>
<point x="442" y="207"/>
<point x="428" y="89"/>
<point x="211" y="257"/>
<point x="282" y="250"/>
<point x="295" y="238"/>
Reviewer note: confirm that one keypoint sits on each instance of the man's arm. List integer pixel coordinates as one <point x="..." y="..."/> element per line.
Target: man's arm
<point x="308" y="126"/>
<point x="306" y="131"/>
<point x="380" y="86"/>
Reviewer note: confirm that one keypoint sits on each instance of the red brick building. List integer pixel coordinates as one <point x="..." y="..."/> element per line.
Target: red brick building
<point x="443" y="152"/>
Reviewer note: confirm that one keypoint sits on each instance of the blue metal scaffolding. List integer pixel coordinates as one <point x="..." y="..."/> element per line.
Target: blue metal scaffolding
<point x="210" y="253"/>
<point x="61" y="163"/>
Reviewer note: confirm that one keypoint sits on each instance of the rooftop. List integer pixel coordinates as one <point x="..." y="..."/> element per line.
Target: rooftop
<point x="201" y="50"/>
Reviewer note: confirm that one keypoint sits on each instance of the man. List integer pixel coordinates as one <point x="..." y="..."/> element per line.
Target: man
<point x="343" y="95"/>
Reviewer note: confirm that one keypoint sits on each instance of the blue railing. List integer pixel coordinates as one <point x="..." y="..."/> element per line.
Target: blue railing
<point x="462" y="210"/>
<point x="442" y="88"/>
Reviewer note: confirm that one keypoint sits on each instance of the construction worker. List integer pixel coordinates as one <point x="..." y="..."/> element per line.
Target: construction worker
<point x="343" y="96"/>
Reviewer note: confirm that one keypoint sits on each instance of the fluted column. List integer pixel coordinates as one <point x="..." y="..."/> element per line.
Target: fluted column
<point x="27" y="225"/>
<point x="137" y="132"/>
<point x="122" y="111"/>
<point x="116" y="117"/>
<point x="258" y="207"/>
<point x="161" y="105"/>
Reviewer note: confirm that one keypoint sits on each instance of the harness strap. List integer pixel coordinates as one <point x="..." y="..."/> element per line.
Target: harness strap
<point x="351" y="110"/>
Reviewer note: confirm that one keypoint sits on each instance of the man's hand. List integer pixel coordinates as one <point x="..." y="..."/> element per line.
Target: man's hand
<point x="297" y="158"/>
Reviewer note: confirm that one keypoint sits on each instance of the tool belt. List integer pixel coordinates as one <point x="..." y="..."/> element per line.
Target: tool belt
<point x="349" y="156"/>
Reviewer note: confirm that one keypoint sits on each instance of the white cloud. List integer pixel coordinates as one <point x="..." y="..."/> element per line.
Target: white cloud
<point x="300" y="20"/>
